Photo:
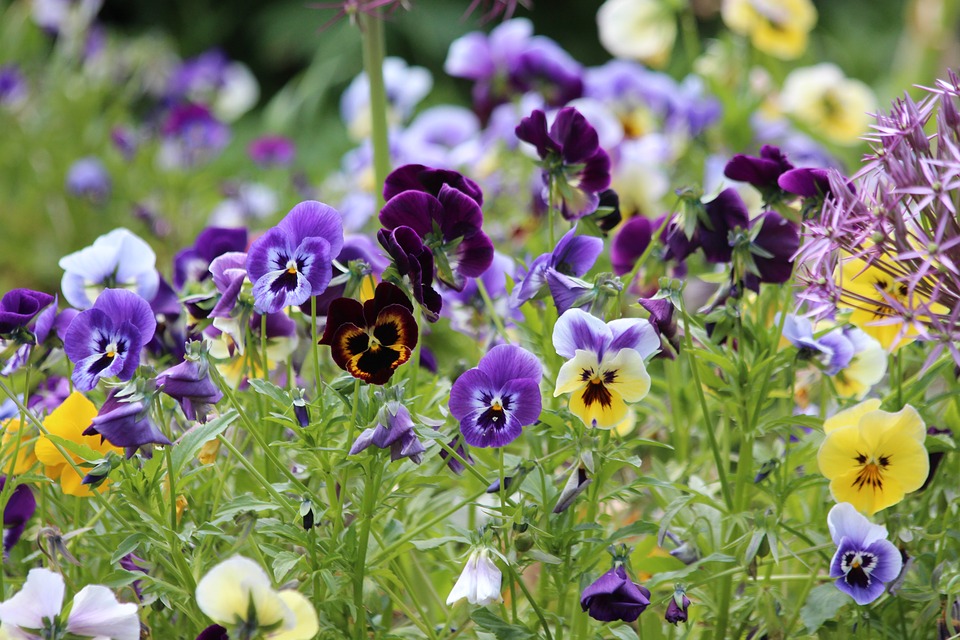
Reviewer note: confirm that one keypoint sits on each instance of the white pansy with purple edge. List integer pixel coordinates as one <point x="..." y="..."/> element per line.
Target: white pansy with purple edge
<point x="497" y="398"/>
<point x="292" y="262"/>
<point x="479" y="582"/>
<point x="865" y="560"/>
<point x="119" y="259"/>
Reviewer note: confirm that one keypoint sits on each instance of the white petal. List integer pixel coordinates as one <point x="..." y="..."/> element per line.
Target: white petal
<point x="41" y="597"/>
<point x="489" y="580"/>
<point x="466" y="586"/>
<point x="305" y="621"/>
<point x="844" y="521"/>
<point x="96" y="612"/>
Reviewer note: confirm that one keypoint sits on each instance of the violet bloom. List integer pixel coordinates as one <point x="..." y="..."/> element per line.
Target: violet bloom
<point x="631" y="242"/>
<point x="762" y="172"/>
<point x="724" y="214"/>
<point x="412" y="259"/>
<point x="19" y="509"/>
<point x="193" y="263"/>
<point x="15" y="307"/>
<point x="574" y="165"/>
<point x="662" y="320"/>
<point x="119" y="259"/>
<point x="677" y="609"/>
<point x="355" y="248"/>
<point x="19" y="307"/>
<point x="190" y="385"/>
<point x="417" y="177"/>
<point x="229" y="272"/>
<point x="293" y="261"/>
<point x="191" y="136"/>
<point x="865" y="560"/>
<point x="807" y="182"/>
<point x="833" y="351"/>
<point x="88" y="178"/>
<point x="126" y="423"/>
<point x="772" y="250"/>
<point x="394" y="430"/>
<point x="573" y="256"/>
<point x="613" y="596"/>
<point x="13" y="86"/>
<point x="497" y="398"/>
<point x="214" y="632"/>
<point x="272" y="151"/>
<point x="129" y="562"/>
<point x="106" y="340"/>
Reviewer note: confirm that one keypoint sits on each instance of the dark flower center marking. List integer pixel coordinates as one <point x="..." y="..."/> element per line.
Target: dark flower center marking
<point x="871" y="472"/>
<point x="857" y="567"/>
<point x="596" y="390"/>
<point x="494" y="417"/>
<point x="109" y="347"/>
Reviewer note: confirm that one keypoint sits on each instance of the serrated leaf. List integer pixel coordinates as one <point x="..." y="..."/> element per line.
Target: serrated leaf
<point x="272" y="391"/>
<point x="189" y="445"/>
<point x="502" y="629"/>
<point x="81" y="450"/>
<point x="822" y="604"/>
<point x="284" y="562"/>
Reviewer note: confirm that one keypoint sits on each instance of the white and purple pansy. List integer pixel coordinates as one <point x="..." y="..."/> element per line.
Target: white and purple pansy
<point x="865" y="560"/>
<point x="292" y="262"/>
<point x="119" y="259"/>
<point x="497" y="398"/>
<point x="105" y="340"/>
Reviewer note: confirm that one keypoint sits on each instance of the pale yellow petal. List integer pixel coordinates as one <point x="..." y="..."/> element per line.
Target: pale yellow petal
<point x="224" y="594"/>
<point x="306" y="623"/>
<point x="851" y="417"/>
<point x="598" y="414"/>
<point x="629" y="375"/>
<point x="575" y="372"/>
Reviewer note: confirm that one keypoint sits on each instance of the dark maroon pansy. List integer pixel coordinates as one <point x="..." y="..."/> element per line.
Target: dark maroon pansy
<point x="417" y="177"/>
<point x="414" y="261"/>
<point x="724" y="214"/>
<point x="761" y="171"/>
<point x="772" y="250"/>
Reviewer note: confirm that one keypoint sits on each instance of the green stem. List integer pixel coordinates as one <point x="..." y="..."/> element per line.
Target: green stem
<point x="374" y="46"/>
<point x="491" y="310"/>
<point x="351" y="432"/>
<point x="551" y="210"/>
<point x="533" y="603"/>
<point x="370" y="492"/>
<point x="252" y="470"/>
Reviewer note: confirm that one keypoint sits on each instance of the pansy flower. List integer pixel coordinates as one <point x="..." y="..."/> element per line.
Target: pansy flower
<point x="105" y="340"/>
<point x="497" y="398"/>
<point x="19" y="509"/>
<point x="394" y="431"/>
<point x="19" y="307"/>
<point x="125" y="422"/>
<point x="190" y="385"/>
<point x="614" y="596"/>
<point x="573" y="256"/>
<point x="605" y="367"/>
<point x="370" y="340"/>
<point x="193" y="263"/>
<point x="763" y="171"/>
<point x="873" y="458"/>
<point x="415" y="261"/>
<point x="479" y="582"/>
<point x="292" y="261"/>
<point x="119" y="259"/>
<point x="865" y="560"/>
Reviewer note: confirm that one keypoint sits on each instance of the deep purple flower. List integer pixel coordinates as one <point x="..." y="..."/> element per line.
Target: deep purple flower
<point x="458" y="445"/>
<point x="292" y="261"/>
<point x="772" y="250"/>
<point x="661" y="318"/>
<point x="272" y="151"/>
<point x="724" y="214"/>
<point x="631" y="242"/>
<point x="355" y="247"/>
<point x="613" y="596"/>
<point x="574" y="165"/>
<point x="126" y="423"/>
<point x="190" y="385"/>
<point x="807" y="182"/>
<point x="833" y="350"/>
<point x="229" y="271"/>
<point x="762" y="172"/>
<point x="105" y="340"/>
<point x="573" y="256"/>
<point x="865" y="560"/>
<point x="18" y="511"/>
<point x="416" y="177"/>
<point x="13" y="86"/>
<point x="193" y="263"/>
<point x="88" y="178"/>
<point x="129" y="562"/>
<point x="214" y="632"/>
<point x="19" y="307"/>
<point x="191" y="136"/>
<point x="450" y="225"/>
<point x="497" y="398"/>
<point x="677" y="611"/>
<point x="394" y="430"/>
<point x="415" y="261"/>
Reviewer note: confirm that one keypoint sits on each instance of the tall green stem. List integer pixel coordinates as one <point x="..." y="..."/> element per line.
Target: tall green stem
<point x="372" y="34"/>
<point x="370" y="492"/>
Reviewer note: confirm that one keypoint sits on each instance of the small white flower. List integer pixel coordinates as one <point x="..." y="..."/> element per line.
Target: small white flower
<point x="642" y="30"/>
<point x="479" y="582"/>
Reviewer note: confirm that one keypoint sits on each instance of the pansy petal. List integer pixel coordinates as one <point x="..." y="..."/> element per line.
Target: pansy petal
<point x="633" y="333"/>
<point x="312" y="219"/>
<point x="413" y="209"/>
<point x="577" y="329"/>
<point x="844" y="521"/>
<point x="96" y="612"/>
<point x="575" y="255"/>
<point x="603" y="411"/>
<point x="226" y="592"/>
<point x="474" y="255"/>
<point x="850" y="417"/>
<point x="471" y="393"/>
<point x="522" y="400"/>
<point x="41" y="597"/>
<point x="306" y="624"/>
<point x="313" y="258"/>
<point x="278" y="289"/>
<point x="269" y="252"/>
<point x="627" y="375"/>
<point x="575" y="372"/>
<point x="121" y="304"/>
<point x="506" y="362"/>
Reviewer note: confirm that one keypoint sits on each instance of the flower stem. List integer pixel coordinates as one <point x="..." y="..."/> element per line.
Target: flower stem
<point x="551" y="211"/>
<point x="351" y="432"/>
<point x="372" y="35"/>
<point x="488" y="303"/>
<point x="370" y="491"/>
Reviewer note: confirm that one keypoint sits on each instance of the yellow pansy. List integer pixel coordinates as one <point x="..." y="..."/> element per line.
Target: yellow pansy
<point x="777" y="27"/>
<point x="25" y="457"/>
<point x="873" y="458"/>
<point x="829" y="103"/>
<point x="69" y="421"/>
<point x="601" y="389"/>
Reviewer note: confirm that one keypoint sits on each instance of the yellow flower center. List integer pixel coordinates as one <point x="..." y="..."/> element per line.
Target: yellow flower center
<point x="291" y="266"/>
<point x="111" y="350"/>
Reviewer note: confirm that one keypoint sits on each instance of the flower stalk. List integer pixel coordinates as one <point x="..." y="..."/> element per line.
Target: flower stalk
<point x="374" y="47"/>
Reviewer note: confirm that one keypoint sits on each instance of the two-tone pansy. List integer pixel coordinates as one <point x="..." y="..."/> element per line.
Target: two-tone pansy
<point x="605" y="365"/>
<point x="370" y="340"/>
<point x="865" y="560"/>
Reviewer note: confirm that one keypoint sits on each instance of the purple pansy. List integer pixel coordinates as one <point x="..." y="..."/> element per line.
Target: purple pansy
<point x="865" y="560"/>
<point x="417" y="177"/>
<point x="833" y="350"/>
<point x="229" y="272"/>
<point x="569" y="292"/>
<point x="292" y="261"/>
<point x="807" y="182"/>
<point x="88" y="178"/>
<point x="772" y="250"/>
<point x="193" y="263"/>
<point x="724" y="214"/>
<point x="119" y="259"/>
<point x="574" y="165"/>
<point x="497" y="398"/>
<point x="613" y="596"/>
<point x="190" y="385"/>
<point x="13" y="86"/>
<point x="106" y="340"/>
<point x="191" y="136"/>
<point x="412" y="259"/>
<point x="573" y="256"/>
<point x="677" y="609"/>
<point x="631" y="242"/>
<point x="19" y="307"/>
<point x="126" y="423"/>
<point x="272" y="151"/>
<point x="17" y="512"/>
<point x="395" y="431"/>
<point x="662" y="320"/>
<point x="355" y="247"/>
<point x="763" y="171"/>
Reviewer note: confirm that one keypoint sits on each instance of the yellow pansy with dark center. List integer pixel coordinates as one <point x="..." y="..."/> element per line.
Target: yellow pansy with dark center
<point x="601" y="387"/>
<point x="370" y="340"/>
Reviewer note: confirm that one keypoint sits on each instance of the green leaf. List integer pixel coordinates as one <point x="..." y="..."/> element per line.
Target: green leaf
<point x="433" y="543"/>
<point x="77" y="449"/>
<point x="272" y="391"/>
<point x="624" y="633"/>
<point x="822" y="604"/>
<point x="284" y="562"/>
<point x="193" y="440"/>
<point x="544" y="557"/>
<point x="129" y="545"/>
<point x="502" y="629"/>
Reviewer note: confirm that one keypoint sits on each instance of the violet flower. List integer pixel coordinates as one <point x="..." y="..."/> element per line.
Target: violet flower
<point x="631" y="242"/>
<point x="662" y="320"/>
<point x="415" y="261"/>
<point x="724" y="214"/>
<point x="395" y="431"/>
<point x="88" y="178"/>
<point x="214" y="632"/>
<point x="417" y="177"/>
<point x="497" y="398"/>
<point x="190" y="385"/>
<point x="129" y="562"/>
<point x="574" y="165"/>
<point x="677" y="609"/>
<point x="229" y="272"/>
<point x="126" y="423"/>
<point x="762" y="172"/>
<point x="833" y="351"/>
<point x="13" y="86"/>
<point x="292" y="261"/>
<point x="119" y="259"/>
<point x="370" y="263"/>
<point x="193" y="263"/>
<point x="865" y="560"/>
<point x="272" y="151"/>
<point x="573" y="256"/>
<point x="20" y="507"/>
<point x="18" y="309"/>
<point x="106" y="340"/>
<point x="613" y="596"/>
<point x="191" y="136"/>
<point x="772" y="250"/>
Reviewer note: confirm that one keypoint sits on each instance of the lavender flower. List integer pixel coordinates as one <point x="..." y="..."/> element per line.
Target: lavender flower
<point x="119" y="259"/>
<point x="125" y="422"/>
<point x="292" y="262"/>
<point x="19" y="509"/>
<point x="190" y="385"/>
<point x="193" y="263"/>
<point x="191" y="136"/>
<point x="394" y="430"/>
<point x="496" y="399"/>
<point x="88" y="178"/>
<point x="106" y="340"/>
<point x="19" y="307"/>
<point x="272" y="151"/>
<point x="13" y="86"/>
<point x="573" y="256"/>
<point x="613" y="596"/>
<point x="865" y="560"/>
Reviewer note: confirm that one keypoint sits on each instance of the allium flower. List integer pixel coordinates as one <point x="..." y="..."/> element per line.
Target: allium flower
<point x="479" y="582"/>
<point x="95" y="611"/>
<point x="190" y="385"/>
<point x="125" y="422"/>
<point x="642" y="30"/>
<point x="613" y="596"/>
<point x="88" y="178"/>
<point x="105" y="340"/>
<point x="865" y="560"/>
<point x="497" y="398"/>
<point x="19" y="509"/>
<point x="119" y="259"/>
<point x="574" y="255"/>
<point x="193" y="263"/>
<point x="395" y="431"/>
<point x="370" y="340"/>
<point x="873" y="458"/>
<point x="292" y="261"/>
<point x="777" y="27"/>
<point x="605" y="367"/>
<point x="574" y="165"/>
<point x="827" y="102"/>
<point x="237" y="593"/>
<point x="272" y="151"/>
